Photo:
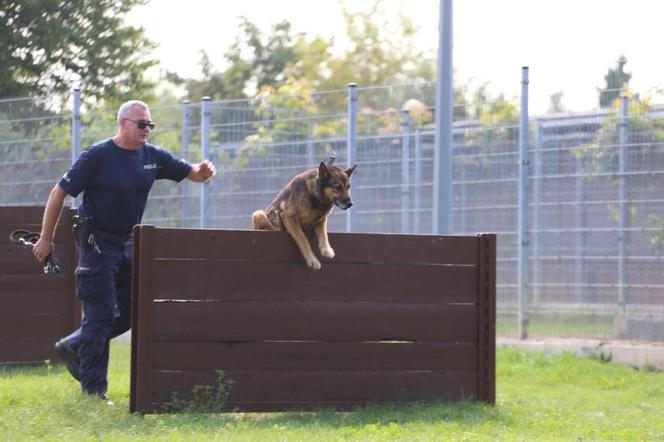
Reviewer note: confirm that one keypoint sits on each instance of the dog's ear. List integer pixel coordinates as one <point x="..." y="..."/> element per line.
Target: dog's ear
<point x="323" y="171"/>
<point x="350" y="171"/>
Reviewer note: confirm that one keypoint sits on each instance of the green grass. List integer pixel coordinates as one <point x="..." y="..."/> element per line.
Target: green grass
<point x="564" y="325"/>
<point x="538" y="398"/>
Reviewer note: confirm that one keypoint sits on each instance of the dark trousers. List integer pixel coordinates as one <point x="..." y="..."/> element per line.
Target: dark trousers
<point x="103" y="284"/>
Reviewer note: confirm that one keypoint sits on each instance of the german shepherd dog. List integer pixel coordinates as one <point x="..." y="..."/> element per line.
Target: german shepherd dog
<point x="305" y="204"/>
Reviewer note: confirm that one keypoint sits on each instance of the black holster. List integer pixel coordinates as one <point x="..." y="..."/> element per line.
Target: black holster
<point x="82" y="230"/>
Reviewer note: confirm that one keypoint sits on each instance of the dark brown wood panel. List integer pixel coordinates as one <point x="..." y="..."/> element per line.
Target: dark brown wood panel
<point x="486" y="311"/>
<point x="141" y="317"/>
<point x="22" y="214"/>
<point x="393" y="318"/>
<point x="35" y="309"/>
<point x="28" y="283"/>
<point x="21" y="349"/>
<point x="261" y="280"/>
<point x="314" y="386"/>
<point x="32" y="325"/>
<point x="278" y="246"/>
<point x="295" y="406"/>
<point x="35" y="302"/>
<point x="316" y="321"/>
<point x="184" y="355"/>
<point x="16" y="260"/>
<point x="62" y="232"/>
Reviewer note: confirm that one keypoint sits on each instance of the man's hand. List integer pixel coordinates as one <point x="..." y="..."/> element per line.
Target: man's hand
<point x="42" y="248"/>
<point x="202" y="171"/>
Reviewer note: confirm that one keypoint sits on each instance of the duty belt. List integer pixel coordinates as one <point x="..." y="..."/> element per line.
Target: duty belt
<point x="113" y="238"/>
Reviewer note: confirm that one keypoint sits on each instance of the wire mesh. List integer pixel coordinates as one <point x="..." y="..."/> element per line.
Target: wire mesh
<point x="575" y="285"/>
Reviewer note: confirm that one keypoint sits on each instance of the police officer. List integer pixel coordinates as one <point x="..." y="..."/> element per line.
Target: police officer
<point x="116" y="176"/>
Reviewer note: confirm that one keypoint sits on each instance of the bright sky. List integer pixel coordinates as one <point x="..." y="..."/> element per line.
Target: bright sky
<point x="568" y="44"/>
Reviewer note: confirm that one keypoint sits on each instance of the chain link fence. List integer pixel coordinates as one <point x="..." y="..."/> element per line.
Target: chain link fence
<point x="596" y="218"/>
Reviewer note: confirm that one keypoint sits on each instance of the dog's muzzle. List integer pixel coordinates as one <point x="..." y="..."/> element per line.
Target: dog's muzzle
<point x="343" y="204"/>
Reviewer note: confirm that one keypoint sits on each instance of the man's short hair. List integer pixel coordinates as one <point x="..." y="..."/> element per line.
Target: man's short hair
<point x="126" y="108"/>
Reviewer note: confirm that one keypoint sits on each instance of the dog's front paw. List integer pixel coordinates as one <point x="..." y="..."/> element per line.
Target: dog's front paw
<point x="313" y="263"/>
<point x="327" y="252"/>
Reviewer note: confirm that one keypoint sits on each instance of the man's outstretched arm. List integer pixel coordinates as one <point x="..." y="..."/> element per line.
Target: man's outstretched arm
<point x="202" y="171"/>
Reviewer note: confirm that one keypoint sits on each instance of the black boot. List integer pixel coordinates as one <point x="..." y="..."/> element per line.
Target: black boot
<point x="69" y="357"/>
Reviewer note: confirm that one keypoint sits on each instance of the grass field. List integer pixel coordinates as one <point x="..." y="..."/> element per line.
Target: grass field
<point x="538" y="398"/>
<point x="557" y="324"/>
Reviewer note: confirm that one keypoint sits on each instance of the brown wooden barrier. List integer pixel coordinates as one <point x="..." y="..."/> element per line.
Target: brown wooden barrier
<point x="392" y="318"/>
<point x="35" y="309"/>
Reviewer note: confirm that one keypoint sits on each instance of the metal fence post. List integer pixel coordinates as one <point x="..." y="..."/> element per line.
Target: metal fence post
<point x="619" y="324"/>
<point x="418" y="181"/>
<point x="351" y="144"/>
<point x="579" y="236"/>
<point x="523" y="208"/>
<point x="405" y="172"/>
<point x="442" y="165"/>
<point x="183" y="188"/>
<point x="537" y="200"/>
<point x="205" y="153"/>
<point x="76" y="134"/>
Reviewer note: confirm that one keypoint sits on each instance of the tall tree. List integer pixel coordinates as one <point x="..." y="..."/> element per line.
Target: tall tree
<point x="381" y="51"/>
<point x="256" y="60"/>
<point x="615" y="80"/>
<point x="48" y="46"/>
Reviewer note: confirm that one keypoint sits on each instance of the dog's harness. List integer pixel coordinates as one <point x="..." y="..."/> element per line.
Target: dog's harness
<point x="274" y="216"/>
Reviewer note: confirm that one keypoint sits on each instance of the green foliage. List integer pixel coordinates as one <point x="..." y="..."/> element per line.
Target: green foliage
<point x="286" y="113"/>
<point x="602" y="154"/>
<point x="498" y="128"/>
<point x="204" y="398"/>
<point x="51" y="45"/>
<point x="256" y="60"/>
<point x="657" y="241"/>
<point x="381" y="52"/>
<point x="616" y="80"/>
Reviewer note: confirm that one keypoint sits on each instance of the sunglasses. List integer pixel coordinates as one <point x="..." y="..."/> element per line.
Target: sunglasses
<point x="142" y="124"/>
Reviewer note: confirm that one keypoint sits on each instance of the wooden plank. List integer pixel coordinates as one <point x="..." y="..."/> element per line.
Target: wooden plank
<point x="30" y="218"/>
<point x="19" y="260"/>
<point x="294" y="406"/>
<point x="278" y="246"/>
<point x="486" y="380"/>
<point x="316" y="321"/>
<point x="261" y="280"/>
<point x="21" y="349"/>
<point x="184" y="355"/>
<point x="15" y="303"/>
<point x="142" y="313"/>
<point x="325" y="385"/>
<point x="21" y="214"/>
<point x="60" y="239"/>
<point x="33" y="325"/>
<point x="35" y="309"/>
<point x="27" y="283"/>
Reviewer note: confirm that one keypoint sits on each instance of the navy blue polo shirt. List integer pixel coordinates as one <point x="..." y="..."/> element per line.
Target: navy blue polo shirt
<point x="117" y="181"/>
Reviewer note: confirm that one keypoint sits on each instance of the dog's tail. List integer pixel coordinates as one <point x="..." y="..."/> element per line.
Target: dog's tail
<point x="260" y="221"/>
